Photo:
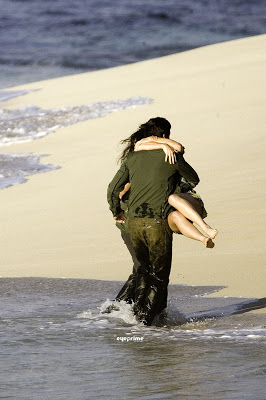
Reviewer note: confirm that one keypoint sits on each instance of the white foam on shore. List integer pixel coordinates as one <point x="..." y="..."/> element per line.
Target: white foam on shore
<point x="235" y="334"/>
<point x="30" y="123"/>
<point x="14" y="168"/>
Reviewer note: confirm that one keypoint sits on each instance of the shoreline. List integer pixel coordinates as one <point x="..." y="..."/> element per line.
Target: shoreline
<point x="58" y="224"/>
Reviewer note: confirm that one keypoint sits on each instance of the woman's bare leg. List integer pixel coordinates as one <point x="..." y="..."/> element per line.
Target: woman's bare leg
<point x="179" y="224"/>
<point x="183" y="205"/>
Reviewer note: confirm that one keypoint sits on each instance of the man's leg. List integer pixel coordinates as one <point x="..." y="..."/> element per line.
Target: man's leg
<point x="127" y="293"/>
<point x="137" y="227"/>
<point x="160" y="250"/>
<point x="152" y="241"/>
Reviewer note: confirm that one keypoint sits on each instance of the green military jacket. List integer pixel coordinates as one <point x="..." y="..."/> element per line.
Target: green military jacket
<point x="152" y="181"/>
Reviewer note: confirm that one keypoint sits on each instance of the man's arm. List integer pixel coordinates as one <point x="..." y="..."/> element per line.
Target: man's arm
<point x="187" y="171"/>
<point x="115" y="187"/>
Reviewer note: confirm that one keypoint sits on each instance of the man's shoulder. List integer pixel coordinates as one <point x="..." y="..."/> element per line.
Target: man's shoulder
<point x="146" y="155"/>
<point x="154" y="160"/>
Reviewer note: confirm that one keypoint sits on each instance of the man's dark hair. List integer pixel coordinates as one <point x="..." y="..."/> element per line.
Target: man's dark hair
<point x="158" y="127"/>
<point x="154" y="127"/>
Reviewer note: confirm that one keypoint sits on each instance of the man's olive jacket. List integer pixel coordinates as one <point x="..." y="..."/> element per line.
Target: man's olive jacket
<point x="152" y="181"/>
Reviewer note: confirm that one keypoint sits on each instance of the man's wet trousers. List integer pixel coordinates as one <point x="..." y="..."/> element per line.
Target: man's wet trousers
<point x="127" y="292"/>
<point x="152" y="241"/>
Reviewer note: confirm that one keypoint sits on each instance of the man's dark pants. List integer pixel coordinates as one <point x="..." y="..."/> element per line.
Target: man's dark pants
<point x="127" y="293"/>
<point x="152" y="241"/>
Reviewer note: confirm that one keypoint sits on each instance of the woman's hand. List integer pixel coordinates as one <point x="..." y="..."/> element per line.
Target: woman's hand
<point x="170" y="154"/>
<point x="120" y="217"/>
<point x="126" y="189"/>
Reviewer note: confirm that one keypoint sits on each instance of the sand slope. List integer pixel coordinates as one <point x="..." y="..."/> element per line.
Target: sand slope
<point x="58" y="223"/>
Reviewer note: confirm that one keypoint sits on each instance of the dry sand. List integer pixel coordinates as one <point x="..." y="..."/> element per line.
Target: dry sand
<point x="58" y="223"/>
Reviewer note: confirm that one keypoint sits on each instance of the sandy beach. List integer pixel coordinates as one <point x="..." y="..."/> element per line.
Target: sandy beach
<point x="58" y="223"/>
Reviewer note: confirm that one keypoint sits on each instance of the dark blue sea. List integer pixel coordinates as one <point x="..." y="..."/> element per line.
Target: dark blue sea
<point x="45" y="39"/>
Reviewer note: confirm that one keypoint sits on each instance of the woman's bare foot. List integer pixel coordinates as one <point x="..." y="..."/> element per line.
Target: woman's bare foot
<point x="210" y="231"/>
<point x="208" y="243"/>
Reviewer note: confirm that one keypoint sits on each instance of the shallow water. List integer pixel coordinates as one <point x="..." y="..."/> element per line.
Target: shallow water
<point x="56" y="343"/>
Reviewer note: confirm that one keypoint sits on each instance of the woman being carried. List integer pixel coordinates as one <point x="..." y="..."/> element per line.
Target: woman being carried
<point x="188" y="204"/>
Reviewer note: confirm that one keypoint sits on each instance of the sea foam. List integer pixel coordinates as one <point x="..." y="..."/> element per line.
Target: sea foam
<point x="31" y="122"/>
<point x="14" y="168"/>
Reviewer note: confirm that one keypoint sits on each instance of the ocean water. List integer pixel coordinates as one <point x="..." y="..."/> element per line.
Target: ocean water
<point x="45" y="39"/>
<point x="56" y="343"/>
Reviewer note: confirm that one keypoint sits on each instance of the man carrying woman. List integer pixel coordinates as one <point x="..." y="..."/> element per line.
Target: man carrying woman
<point x="152" y="182"/>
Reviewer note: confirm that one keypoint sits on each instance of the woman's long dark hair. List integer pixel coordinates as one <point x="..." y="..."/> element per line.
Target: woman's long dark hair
<point x="154" y="127"/>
